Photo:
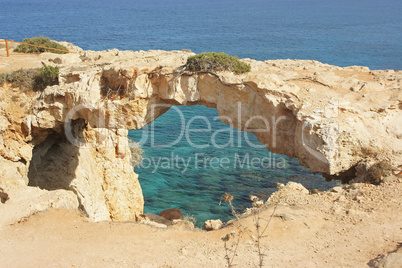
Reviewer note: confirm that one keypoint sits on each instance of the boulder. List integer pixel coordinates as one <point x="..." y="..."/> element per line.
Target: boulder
<point x="391" y="260"/>
<point x="210" y="225"/>
<point x="172" y="214"/>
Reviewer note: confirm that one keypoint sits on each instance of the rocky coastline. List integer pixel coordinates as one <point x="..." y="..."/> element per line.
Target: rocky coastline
<point x="67" y="147"/>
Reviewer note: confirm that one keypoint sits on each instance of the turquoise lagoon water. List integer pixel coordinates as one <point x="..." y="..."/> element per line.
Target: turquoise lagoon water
<point x="191" y="169"/>
<point x="353" y="32"/>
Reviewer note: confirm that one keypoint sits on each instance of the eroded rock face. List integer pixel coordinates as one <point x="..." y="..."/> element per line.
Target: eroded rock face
<point x="73" y="136"/>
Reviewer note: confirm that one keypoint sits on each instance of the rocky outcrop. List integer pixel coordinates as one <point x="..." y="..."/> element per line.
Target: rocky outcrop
<point x="211" y="225"/>
<point x="73" y="136"/>
<point x="391" y="260"/>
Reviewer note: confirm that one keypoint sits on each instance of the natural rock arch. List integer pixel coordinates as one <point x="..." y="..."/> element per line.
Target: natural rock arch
<point x="324" y="115"/>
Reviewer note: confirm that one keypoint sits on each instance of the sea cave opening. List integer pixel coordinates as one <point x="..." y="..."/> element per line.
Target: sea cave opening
<point x="53" y="163"/>
<point x="191" y="158"/>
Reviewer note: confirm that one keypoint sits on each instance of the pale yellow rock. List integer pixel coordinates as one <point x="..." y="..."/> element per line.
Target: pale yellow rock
<point x="211" y="225"/>
<point x="391" y="260"/>
<point x="4" y="123"/>
<point x="331" y="118"/>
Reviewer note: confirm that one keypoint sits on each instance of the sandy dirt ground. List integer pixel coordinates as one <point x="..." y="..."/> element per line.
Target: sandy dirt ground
<point x="17" y="60"/>
<point x="353" y="226"/>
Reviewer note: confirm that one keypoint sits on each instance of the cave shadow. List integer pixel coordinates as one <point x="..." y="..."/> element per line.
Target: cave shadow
<point x="55" y="160"/>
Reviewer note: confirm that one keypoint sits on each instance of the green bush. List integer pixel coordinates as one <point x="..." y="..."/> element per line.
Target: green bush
<point x="212" y="61"/>
<point x="49" y="76"/>
<point x="40" y="41"/>
<point x="32" y="79"/>
<point x="2" y="79"/>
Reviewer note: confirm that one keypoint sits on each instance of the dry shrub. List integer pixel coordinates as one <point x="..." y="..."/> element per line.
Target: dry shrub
<point x="377" y="171"/>
<point x="32" y="79"/>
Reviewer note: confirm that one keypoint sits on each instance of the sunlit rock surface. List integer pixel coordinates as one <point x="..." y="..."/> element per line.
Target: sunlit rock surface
<point x="73" y="136"/>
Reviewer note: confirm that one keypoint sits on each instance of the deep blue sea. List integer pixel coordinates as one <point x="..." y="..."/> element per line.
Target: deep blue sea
<point x="353" y="32"/>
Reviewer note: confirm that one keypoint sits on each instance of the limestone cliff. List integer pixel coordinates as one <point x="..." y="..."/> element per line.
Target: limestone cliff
<point x="73" y="136"/>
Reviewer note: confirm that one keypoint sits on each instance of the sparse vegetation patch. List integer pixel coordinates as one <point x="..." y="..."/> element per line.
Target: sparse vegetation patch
<point x="49" y="76"/>
<point x="32" y="79"/>
<point x="377" y="171"/>
<point x="212" y="61"/>
<point x="40" y="41"/>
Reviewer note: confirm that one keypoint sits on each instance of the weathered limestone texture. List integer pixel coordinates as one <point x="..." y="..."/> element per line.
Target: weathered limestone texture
<point x="73" y="136"/>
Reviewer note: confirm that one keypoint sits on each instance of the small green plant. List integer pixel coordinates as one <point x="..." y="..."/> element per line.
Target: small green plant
<point x="49" y="76"/>
<point x="40" y="41"/>
<point x="32" y="79"/>
<point x="212" y="61"/>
